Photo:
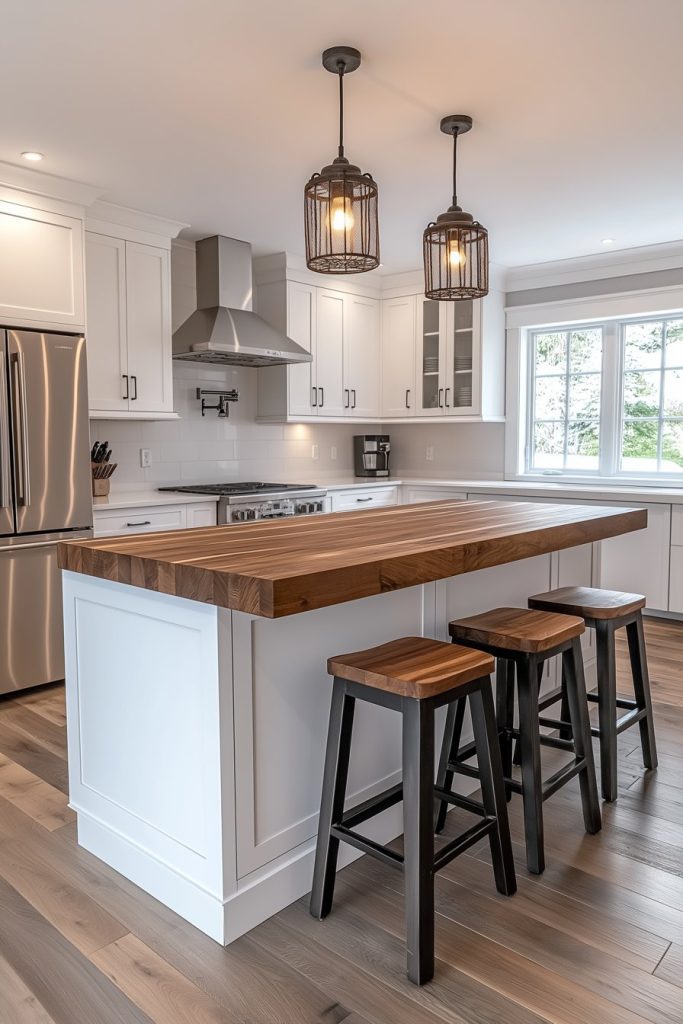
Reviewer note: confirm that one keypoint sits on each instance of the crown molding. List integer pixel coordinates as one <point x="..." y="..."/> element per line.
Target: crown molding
<point x="37" y="183"/>
<point x="124" y="216"/>
<point x="642" y="259"/>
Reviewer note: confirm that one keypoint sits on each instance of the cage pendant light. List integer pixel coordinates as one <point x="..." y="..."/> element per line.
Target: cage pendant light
<point x="456" y="246"/>
<point x="340" y="203"/>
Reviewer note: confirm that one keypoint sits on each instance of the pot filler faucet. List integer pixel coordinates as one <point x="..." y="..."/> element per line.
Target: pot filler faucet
<point x="223" y="398"/>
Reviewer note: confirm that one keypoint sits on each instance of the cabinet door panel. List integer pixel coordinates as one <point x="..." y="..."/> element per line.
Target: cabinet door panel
<point x="41" y="268"/>
<point x="676" y="591"/>
<point x="430" y="368"/>
<point x="301" y="328"/>
<point x="362" y="356"/>
<point x="329" y="351"/>
<point x="149" y="327"/>
<point x="398" y="356"/>
<point x="106" y="322"/>
<point x="639" y="562"/>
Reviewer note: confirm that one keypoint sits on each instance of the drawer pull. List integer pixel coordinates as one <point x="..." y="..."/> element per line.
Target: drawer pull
<point x="147" y="522"/>
<point x="364" y="499"/>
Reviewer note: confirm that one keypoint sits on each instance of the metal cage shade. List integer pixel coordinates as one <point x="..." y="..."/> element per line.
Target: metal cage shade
<point x="341" y="222"/>
<point x="456" y="260"/>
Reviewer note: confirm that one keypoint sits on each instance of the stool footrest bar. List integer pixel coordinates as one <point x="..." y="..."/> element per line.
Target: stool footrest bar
<point x="460" y="801"/>
<point x="387" y="856"/>
<point x="463" y="842"/>
<point x="374" y="805"/>
<point x="558" y="780"/>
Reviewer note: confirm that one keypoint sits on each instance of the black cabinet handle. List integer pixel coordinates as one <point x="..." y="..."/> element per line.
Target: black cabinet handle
<point x="407" y="398"/>
<point x="135" y="386"/>
<point x="147" y="522"/>
<point x="363" y="499"/>
<point x="322" y="397"/>
<point x="314" y="400"/>
<point x="447" y="404"/>
<point x="346" y="403"/>
<point x="353" y="392"/>
<point x="440" y="398"/>
<point x="125" y="377"/>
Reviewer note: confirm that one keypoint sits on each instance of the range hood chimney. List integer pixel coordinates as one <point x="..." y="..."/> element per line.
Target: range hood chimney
<point x="223" y="329"/>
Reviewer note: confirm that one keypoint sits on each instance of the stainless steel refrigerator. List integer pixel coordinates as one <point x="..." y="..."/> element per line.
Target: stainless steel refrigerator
<point x="45" y="495"/>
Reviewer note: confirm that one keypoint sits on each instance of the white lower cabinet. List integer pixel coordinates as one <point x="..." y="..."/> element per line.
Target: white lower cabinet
<point x="413" y="495"/>
<point x="357" y="498"/>
<point x="639" y="562"/>
<point x="149" y="519"/>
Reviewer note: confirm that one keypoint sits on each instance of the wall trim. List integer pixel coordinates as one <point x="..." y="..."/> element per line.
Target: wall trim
<point x="642" y="259"/>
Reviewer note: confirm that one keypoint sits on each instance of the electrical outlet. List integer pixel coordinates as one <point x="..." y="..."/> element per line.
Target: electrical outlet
<point x="333" y="452"/>
<point x="429" y="453"/>
<point x="314" y="451"/>
<point x="145" y="457"/>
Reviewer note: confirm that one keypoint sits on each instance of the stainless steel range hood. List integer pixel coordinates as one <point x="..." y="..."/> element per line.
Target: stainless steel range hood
<point x="223" y="329"/>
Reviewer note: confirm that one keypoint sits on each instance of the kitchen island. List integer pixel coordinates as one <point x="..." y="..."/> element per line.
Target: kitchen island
<point x="197" y="696"/>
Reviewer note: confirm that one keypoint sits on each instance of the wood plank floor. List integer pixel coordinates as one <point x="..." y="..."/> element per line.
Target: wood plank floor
<point x="598" y="938"/>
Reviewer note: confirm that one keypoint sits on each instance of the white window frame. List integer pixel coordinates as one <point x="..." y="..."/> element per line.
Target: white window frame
<point x="606" y="311"/>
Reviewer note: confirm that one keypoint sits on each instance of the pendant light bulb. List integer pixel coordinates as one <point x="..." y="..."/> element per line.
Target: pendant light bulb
<point x="456" y="257"/>
<point x="342" y="215"/>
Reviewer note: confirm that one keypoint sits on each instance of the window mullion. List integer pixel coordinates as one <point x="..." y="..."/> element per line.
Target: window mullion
<point x="610" y="399"/>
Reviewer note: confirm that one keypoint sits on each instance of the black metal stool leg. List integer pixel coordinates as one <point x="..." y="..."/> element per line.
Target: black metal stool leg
<point x="492" y="788"/>
<point x="418" y="824"/>
<point x="607" y="708"/>
<point x="530" y="743"/>
<point x="505" y="710"/>
<point x="572" y="662"/>
<point x="517" y="759"/>
<point x="565" y="712"/>
<point x="332" y="801"/>
<point x="641" y="686"/>
<point x="449" y="751"/>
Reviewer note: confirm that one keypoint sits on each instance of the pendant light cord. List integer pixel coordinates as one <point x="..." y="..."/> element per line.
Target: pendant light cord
<point x="342" y="68"/>
<point x="455" y="167"/>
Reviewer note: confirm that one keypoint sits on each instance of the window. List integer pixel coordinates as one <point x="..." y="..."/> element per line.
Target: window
<point x="606" y="399"/>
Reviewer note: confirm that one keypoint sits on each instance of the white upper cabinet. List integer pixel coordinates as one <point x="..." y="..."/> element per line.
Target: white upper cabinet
<point x="329" y="353"/>
<point x="148" y="321"/>
<point x="398" y="356"/>
<point x="361" y="357"/>
<point x="106" y="312"/>
<point x="41" y="268"/>
<point x="341" y="330"/>
<point x="128" y="334"/>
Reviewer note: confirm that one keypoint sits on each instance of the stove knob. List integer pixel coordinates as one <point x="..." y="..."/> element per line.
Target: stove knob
<point x="251" y="513"/>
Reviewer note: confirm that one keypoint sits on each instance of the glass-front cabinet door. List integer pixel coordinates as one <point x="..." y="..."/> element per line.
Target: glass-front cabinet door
<point x="462" y="356"/>
<point x="431" y="357"/>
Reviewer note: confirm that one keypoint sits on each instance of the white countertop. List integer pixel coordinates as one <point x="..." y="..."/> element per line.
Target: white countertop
<point x="140" y="499"/>
<point x="591" y="492"/>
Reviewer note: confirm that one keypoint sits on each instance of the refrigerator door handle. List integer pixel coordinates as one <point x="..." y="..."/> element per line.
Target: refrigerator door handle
<point x="21" y="428"/>
<point x="5" y="482"/>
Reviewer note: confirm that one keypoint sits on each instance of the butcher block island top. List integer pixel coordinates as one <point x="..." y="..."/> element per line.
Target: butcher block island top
<point x="281" y="567"/>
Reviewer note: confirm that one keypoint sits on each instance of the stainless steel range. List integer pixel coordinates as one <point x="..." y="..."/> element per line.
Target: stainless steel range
<point x="250" y="501"/>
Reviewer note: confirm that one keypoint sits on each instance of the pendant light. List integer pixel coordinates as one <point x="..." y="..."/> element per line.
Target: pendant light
<point x="340" y="203"/>
<point x="456" y="246"/>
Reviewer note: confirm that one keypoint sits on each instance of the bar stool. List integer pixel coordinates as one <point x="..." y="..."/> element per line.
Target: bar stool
<point x="413" y="676"/>
<point x="606" y="611"/>
<point x="522" y="641"/>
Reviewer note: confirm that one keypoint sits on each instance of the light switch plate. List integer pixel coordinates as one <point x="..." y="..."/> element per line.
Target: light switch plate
<point x="145" y="457"/>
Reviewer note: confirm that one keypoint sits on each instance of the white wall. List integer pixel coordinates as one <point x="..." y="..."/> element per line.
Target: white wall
<point x="461" y="450"/>
<point x="210" y="449"/>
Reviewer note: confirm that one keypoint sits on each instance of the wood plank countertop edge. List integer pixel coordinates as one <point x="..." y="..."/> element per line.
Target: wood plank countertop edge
<point x="289" y="566"/>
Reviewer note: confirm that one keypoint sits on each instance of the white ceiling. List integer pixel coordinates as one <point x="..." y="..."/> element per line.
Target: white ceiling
<point x="215" y="112"/>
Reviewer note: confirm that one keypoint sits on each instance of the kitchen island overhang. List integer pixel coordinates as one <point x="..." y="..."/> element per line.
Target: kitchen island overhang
<point x="197" y="696"/>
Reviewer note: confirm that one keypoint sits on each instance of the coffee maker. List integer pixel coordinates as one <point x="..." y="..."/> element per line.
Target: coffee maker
<point x="371" y="454"/>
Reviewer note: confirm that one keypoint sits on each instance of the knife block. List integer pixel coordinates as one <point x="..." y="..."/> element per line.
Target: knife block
<point x="100" y="488"/>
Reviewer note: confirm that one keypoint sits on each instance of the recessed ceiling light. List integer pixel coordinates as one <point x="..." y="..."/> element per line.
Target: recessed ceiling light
<point x="607" y="241"/>
<point x="32" y="155"/>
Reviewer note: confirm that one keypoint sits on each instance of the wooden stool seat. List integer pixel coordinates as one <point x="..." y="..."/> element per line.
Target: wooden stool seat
<point x="588" y="602"/>
<point x="413" y="666"/>
<point x="606" y="611"/>
<point x="517" y="629"/>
